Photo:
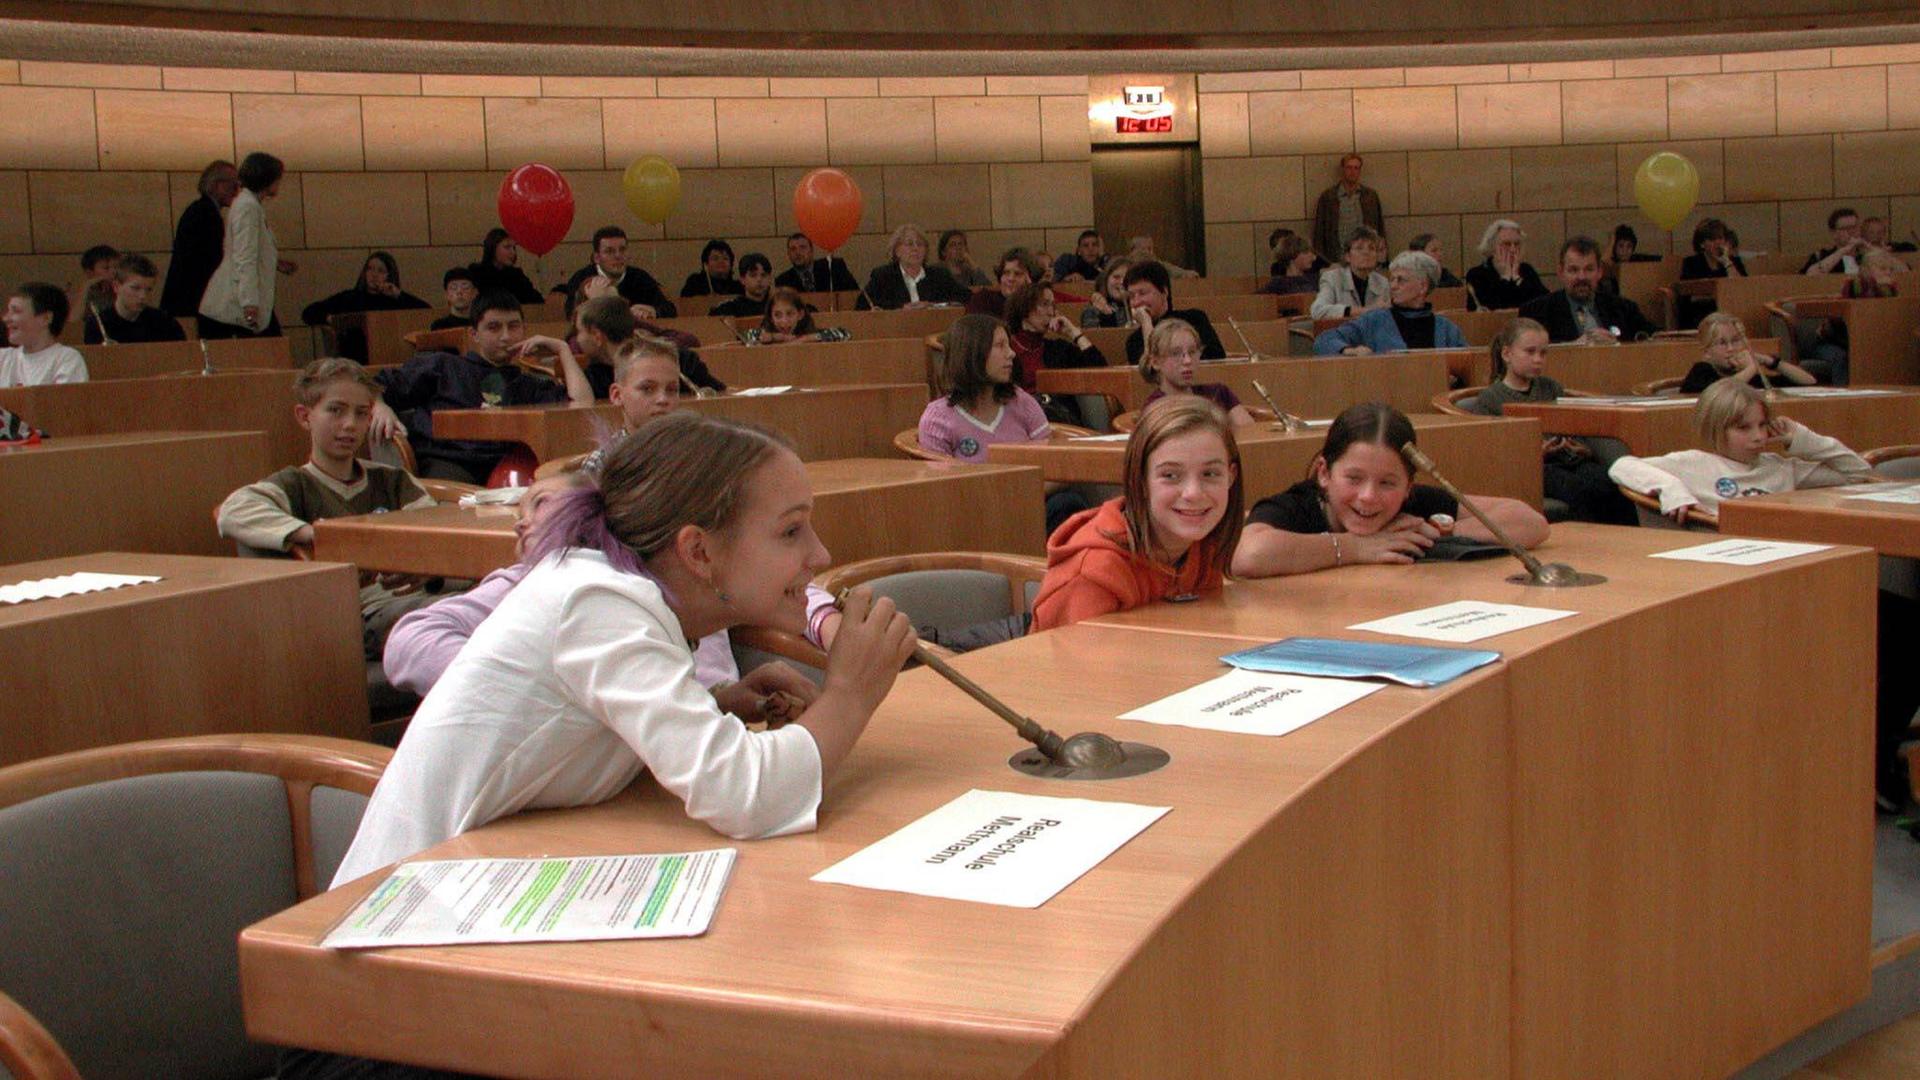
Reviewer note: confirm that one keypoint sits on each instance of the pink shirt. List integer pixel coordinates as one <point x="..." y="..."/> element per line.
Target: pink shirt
<point x="951" y="430"/>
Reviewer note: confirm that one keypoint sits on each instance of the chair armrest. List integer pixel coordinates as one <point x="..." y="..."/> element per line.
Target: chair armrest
<point x="27" y="1049"/>
<point x="780" y="643"/>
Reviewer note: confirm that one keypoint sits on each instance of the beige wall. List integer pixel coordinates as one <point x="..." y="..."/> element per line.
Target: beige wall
<point x="94" y="153"/>
<point x="1778" y="138"/>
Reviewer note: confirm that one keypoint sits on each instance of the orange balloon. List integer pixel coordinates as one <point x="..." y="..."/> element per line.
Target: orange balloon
<point x="826" y="206"/>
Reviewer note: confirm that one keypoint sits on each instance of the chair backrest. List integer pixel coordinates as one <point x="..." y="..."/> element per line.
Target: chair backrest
<point x="1462" y="402"/>
<point x="1648" y="509"/>
<point x="1667" y="387"/>
<point x="948" y="589"/>
<point x="130" y="870"/>
<point x="1898" y="462"/>
<point x="1127" y="421"/>
<point x="556" y="466"/>
<point x="395" y="452"/>
<point x="908" y="443"/>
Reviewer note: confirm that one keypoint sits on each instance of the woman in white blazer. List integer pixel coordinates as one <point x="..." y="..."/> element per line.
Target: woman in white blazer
<point x="239" y="300"/>
<point x="1340" y="295"/>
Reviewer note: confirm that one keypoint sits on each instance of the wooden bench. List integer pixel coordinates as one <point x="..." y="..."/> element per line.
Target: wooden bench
<point x="227" y="401"/>
<point x="148" y="359"/>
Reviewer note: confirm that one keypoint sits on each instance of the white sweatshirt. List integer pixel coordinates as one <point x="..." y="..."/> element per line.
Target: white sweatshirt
<point x="1703" y="478"/>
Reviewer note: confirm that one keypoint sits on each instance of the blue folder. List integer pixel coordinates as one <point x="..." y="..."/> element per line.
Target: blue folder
<point x="1413" y="665"/>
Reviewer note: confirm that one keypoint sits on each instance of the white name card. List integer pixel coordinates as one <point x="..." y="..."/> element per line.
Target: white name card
<point x="1254" y="703"/>
<point x="1463" y="620"/>
<point x="995" y="847"/>
<point x="1738" y="552"/>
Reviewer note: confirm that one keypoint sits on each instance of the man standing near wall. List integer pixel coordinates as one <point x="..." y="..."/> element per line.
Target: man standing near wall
<point x="1343" y="208"/>
<point x="197" y="241"/>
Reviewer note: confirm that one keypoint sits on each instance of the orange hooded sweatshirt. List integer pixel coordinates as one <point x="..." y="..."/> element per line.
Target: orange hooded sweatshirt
<point x="1091" y="570"/>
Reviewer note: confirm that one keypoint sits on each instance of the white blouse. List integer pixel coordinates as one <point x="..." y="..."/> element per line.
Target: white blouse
<point x="581" y="678"/>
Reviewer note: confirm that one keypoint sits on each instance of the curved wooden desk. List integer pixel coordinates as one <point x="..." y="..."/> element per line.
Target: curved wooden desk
<point x="1564" y="864"/>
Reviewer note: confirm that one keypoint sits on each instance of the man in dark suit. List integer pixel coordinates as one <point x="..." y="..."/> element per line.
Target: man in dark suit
<point x="197" y="241"/>
<point x="808" y="274"/>
<point x="1578" y="311"/>
<point x="610" y="262"/>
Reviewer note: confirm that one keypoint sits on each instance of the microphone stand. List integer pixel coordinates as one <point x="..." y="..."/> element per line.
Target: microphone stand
<point x="1546" y="575"/>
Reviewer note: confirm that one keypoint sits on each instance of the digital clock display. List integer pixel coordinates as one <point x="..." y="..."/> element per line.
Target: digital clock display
<point x="1143" y="125"/>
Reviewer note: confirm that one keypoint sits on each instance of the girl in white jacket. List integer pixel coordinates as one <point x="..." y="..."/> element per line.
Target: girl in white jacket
<point x="1734" y="419"/>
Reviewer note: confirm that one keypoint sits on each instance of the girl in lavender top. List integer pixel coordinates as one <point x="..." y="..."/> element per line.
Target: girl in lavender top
<point x="1171" y="357"/>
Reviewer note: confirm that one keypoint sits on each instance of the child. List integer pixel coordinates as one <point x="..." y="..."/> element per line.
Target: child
<point x="128" y="320"/>
<point x="1724" y="337"/>
<point x="583" y="676"/>
<point x="1735" y="420"/>
<point x="1173" y="352"/>
<point x="487" y="376"/>
<point x="1572" y="470"/>
<point x="1359" y="504"/>
<point x="334" y="402"/>
<point x="1171" y="533"/>
<point x="646" y="386"/>
<point x="788" y="318"/>
<point x="95" y="288"/>
<point x="36" y="313"/>
<point x="756" y="282"/>
<point x="461" y="293"/>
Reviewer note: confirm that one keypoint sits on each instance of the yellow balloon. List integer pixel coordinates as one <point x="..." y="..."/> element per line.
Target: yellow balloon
<point x="652" y="188"/>
<point x="1666" y="187"/>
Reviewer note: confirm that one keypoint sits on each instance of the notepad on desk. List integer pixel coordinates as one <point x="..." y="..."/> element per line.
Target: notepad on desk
<point x="1409" y="665"/>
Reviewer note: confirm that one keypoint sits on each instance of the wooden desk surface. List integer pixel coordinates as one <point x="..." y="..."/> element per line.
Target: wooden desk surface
<point x="229" y="401"/>
<point x="820" y="363"/>
<point x="863" y="508"/>
<point x="823" y="422"/>
<point x="1413" y="885"/>
<point x="1603" y="369"/>
<point x="148" y="491"/>
<point x="1861" y="422"/>
<point x="1484" y="455"/>
<point x="217" y="645"/>
<point x="1320" y="387"/>
<point x="177" y="357"/>
<point x="1827" y="516"/>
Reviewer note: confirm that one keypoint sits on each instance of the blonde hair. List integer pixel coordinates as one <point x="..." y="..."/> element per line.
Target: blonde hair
<point x="900" y="236"/>
<point x="1721" y="405"/>
<point x="1159" y="342"/>
<point x="640" y="345"/>
<point x="1170" y="418"/>
<point x="311" y="384"/>
<point x="1718" y="318"/>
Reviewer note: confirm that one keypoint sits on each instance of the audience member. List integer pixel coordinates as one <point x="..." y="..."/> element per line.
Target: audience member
<point x="1713" y="257"/>
<point x="197" y="241"/>
<point x="715" y="276"/>
<point x="1150" y="297"/>
<point x="756" y="286"/>
<point x="602" y="327"/>
<point x="1014" y="270"/>
<point x="1578" y="310"/>
<point x="1573" y="469"/>
<point x="1505" y="279"/>
<point x="36" y="313"/>
<point x="127" y="319"/>
<point x="1357" y="284"/>
<point x="239" y="298"/>
<point x="377" y="290"/>
<point x="1842" y="256"/>
<point x="1407" y="322"/>
<point x="1429" y="244"/>
<point x="1083" y="263"/>
<point x="1108" y="306"/>
<point x="95" y="287"/>
<point x="957" y="256"/>
<point x="1728" y="354"/>
<point x="1877" y="233"/>
<point x="486" y="376"/>
<point x="335" y="402"/>
<point x="906" y="280"/>
<point x="1140" y="249"/>
<point x="1345" y="207"/>
<point x="1041" y="337"/>
<point x="808" y="274"/>
<point x="789" y="318"/>
<point x="610" y="262"/>
<point x="1295" y="273"/>
<point x="499" y="269"/>
<point x="1171" y="365"/>
<point x="1276" y="268"/>
<point x="461" y="293"/>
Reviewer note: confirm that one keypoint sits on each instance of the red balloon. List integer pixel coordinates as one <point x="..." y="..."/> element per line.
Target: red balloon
<point x="515" y="469"/>
<point x="827" y="205"/>
<point x="536" y="207"/>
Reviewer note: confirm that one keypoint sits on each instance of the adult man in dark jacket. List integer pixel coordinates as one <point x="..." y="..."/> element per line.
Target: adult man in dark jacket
<point x="1578" y="311"/>
<point x="197" y="241"/>
<point x="808" y="274"/>
<point x="610" y="262"/>
<point x="1343" y="208"/>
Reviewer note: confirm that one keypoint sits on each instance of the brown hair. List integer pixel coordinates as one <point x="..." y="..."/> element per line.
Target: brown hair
<point x="685" y="468"/>
<point x="311" y="384"/>
<point x="792" y="297"/>
<point x="1170" y="418"/>
<point x="1374" y="423"/>
<point x="963" y="366"/>
<point x="1022" y="301"/>
<point x="1721" y="404"/>
<point x="609" y="314"/>
<point x="1509" y="334"/>
<point x="640" y="345"/>
<point x="1159" y="342"/>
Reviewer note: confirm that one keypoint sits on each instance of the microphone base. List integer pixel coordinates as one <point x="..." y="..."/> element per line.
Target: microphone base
<point x="1140" y="759"/>
<point x="1558" y="576"/>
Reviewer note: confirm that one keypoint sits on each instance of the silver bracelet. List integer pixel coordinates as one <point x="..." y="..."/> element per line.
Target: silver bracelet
<point x="1336" y="547"/>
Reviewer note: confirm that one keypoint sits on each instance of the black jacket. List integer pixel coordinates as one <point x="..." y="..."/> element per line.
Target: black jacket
<point x="818" y="277"/>
<point x="637" y="286"/>
<point x="197" y="243"/>
<point x="887" y="288"/>
<point x="1555" y="312"/>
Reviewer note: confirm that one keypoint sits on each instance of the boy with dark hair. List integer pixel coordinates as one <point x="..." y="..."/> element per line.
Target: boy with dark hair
<point x="1150" y="296"/>
<point x="601" y="328"/>
<point x="95" y="287"/>
<point x="461" y="293"/>
<point x="610" y="262"/>
<point x="486" y="376"/>
<point x="334" y="400"/>
<point x="128" y="320"/>
<point x="756" y="288"/>
<point x="36" y="313"/>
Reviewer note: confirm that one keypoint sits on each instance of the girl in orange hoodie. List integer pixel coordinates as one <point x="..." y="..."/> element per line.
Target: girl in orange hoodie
<point x="1169" y="536"/>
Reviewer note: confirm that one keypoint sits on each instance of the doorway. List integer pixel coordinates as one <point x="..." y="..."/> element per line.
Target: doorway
<point x="1151" y="191"/>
